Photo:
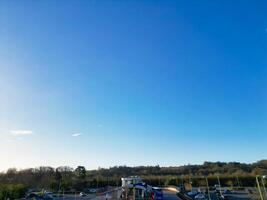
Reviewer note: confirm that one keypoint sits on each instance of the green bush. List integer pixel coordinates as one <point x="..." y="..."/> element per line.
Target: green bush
<point x="12" y="191"/>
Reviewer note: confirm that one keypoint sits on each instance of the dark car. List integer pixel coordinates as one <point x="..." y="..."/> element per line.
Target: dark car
<point x="32" y="196"/>
<point x="227" y="192"/>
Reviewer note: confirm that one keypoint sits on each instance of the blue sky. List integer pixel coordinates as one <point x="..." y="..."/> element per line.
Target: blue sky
<point x="102" y="83"/>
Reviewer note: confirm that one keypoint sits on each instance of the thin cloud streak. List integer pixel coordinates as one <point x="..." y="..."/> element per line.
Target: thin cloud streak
<point x="21" y="132"/>
<point x="76" y="134"/>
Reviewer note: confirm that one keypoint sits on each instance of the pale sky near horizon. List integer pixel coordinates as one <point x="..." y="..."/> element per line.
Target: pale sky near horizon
<point x="102" y="83"/>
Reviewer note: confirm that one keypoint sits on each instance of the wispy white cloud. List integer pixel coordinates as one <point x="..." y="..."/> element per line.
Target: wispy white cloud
<point x="21" y="132"/>
<point x="76" y="134"/>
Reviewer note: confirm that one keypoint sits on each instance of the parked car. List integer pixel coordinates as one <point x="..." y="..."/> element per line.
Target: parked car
<point x="48" y="196"/>
<point x="32" y="195"/>
<point x="249" y="191"/>
<point x="108" y="196"/>
<point x="200" y="196"/>
<point x="82" y="194"/>
<point x="227" y="192"/>
<point x="193" y="193"/>
<point x="221" y="197"/>
<point x="92" y="190"/>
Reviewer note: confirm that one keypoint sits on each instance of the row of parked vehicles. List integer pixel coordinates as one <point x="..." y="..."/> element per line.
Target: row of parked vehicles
<point x="46" y="195"/>
<point x="42" y="195"/>
<point x="197" y="194"/>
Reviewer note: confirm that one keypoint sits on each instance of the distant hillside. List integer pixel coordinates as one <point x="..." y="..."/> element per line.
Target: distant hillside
<point x="232" y="173"/>
<point x="206" y="169"/>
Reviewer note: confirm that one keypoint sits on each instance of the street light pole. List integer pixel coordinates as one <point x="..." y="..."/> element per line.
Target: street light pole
<point x="259" y="188"/>
<point x="264" y="188"/>
<point x="238" y="183"/>
<point x="190" y="183"/>
<point x="134" y="193"/>
<point x="219" y="184"/>
<point x="182" y="177"/>
<point x="208" y="187"/>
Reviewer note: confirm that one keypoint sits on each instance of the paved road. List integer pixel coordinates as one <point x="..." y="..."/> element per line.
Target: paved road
<point x="170" y="196"/>
<point x="166" y="196"/>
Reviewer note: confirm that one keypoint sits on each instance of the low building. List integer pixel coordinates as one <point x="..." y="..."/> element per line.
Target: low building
<point x="129" y="182"/>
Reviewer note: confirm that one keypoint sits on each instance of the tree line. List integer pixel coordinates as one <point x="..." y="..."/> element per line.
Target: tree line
<point x="78" y="179"/>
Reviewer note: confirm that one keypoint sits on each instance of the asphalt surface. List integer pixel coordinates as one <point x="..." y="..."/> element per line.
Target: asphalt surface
<point x="166" y="196"/>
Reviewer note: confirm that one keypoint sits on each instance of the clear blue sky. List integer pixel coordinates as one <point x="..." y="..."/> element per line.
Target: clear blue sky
<point x="101" y="83"/>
